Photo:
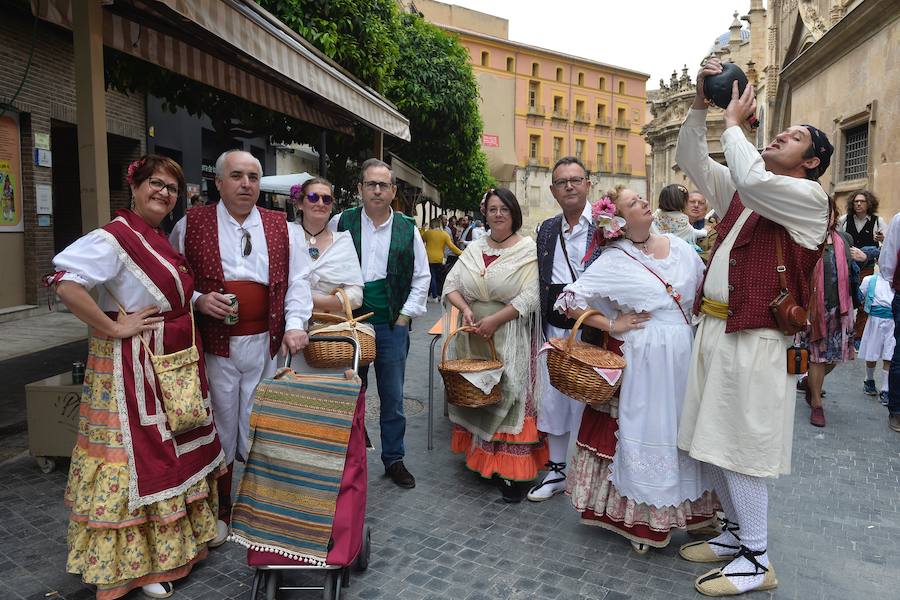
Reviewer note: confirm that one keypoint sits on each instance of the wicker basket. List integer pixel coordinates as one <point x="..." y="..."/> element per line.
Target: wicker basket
<point x="459" y="391"/>
<point x="571" y="365"/>
<point x="333" y="355"/>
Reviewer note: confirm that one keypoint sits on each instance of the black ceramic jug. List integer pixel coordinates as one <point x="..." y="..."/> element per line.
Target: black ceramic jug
<point x="717" y="88"/>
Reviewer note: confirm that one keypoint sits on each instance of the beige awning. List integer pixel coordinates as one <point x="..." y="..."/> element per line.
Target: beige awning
<point x="406" y="172"/>
<point x="430" y="192"/>
<point x="239" y="48"/>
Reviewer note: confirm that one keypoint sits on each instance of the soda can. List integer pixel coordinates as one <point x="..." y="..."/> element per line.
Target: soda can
<point x="77" y="373"/>
<point x="232" y="319"/>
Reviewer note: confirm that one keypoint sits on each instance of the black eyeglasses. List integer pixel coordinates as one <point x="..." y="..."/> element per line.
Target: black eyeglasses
<point x="245" y="240"/>
<point x="573" y="181"/>
<point x="158" y="185"/>
<point x="314" y="197"/>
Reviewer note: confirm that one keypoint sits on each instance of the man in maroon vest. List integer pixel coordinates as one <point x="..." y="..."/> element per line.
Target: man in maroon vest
<point x="236" y="248"/>
<point x="739" y="406"/>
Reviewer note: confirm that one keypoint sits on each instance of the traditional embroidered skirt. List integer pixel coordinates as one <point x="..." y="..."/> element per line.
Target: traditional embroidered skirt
<point x="600" y="504"/>
<point x="516" y="457"/>
<point x="837" y="345"/>
<point x="109" y="546"/>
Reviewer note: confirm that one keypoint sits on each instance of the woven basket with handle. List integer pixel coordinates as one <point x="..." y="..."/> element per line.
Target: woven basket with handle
<point x="460" y="392"/>
<point x="331" y="355"/>
<point x="571" y="364"/>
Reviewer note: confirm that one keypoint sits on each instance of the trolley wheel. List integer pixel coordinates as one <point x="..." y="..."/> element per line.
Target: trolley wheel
<point x="272" y="582"/>
<point x="259" y="583"/>
<point x="365" y="551"/>
<point x="332" y="586"/>
<point x="45" y="463"/>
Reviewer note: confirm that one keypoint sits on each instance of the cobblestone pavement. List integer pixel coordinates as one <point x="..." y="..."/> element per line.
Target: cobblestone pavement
<point x="834" y="525"/>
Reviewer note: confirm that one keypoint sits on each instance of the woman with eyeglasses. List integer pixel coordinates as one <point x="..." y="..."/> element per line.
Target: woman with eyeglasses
<point x="494" y="285"/>
<point x="143" y="500"/>
<point x="333" y="257"/>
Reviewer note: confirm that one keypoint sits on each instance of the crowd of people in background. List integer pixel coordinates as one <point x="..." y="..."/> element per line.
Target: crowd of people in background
<point x="704" y="413"/>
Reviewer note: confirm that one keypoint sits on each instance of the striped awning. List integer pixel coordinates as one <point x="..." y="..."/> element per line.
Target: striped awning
<point x="237" y="47"/>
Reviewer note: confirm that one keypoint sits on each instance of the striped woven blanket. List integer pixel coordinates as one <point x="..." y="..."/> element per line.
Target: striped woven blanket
<point x="299" y="430"/>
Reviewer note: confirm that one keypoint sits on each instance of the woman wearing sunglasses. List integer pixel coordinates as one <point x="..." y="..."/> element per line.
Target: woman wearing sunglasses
<point x="332" y="254"/>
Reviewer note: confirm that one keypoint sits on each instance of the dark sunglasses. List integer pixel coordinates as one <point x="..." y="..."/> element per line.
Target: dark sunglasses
<point x="314" y="197"/>
<point x="247" y="244"/>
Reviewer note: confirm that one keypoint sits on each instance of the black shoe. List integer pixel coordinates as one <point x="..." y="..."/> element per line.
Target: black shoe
<point x="400" y="476"/>
<point x="513" y="491"/>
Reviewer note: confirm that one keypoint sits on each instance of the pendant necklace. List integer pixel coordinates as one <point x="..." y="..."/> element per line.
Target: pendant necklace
<point x="642" y="243"/>
<point x="313" y="251"/>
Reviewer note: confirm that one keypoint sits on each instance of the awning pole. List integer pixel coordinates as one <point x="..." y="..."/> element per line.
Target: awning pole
<point x="378" y="146"/>
<point x="90" y="110"/>
<point x="323" y="159"/>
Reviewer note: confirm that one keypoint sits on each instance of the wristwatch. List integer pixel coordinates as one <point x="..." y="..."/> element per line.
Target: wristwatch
<point x="403" y="319"/>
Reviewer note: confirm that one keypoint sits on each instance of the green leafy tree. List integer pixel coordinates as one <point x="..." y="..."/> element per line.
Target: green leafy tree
<point x="435" y="88"/>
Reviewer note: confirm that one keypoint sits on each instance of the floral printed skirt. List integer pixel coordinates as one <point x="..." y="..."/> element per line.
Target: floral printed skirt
<point x="600" y="503"/>
<point x="837" y="345"/>
<point x="109" y="546"/>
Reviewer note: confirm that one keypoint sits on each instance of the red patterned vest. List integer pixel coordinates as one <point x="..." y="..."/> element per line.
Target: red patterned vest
<point x="201" y="247"/>
<point x="752" y="280"/>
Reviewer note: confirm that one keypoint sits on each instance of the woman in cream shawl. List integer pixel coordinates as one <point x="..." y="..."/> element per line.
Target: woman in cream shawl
<point x="494" y="284"/>
<point x="333" y="260"/>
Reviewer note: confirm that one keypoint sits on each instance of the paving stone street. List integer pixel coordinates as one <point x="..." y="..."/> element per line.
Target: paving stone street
<point x="834" y="523"/>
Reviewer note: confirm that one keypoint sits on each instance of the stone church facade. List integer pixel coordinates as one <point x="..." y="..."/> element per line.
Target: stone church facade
<point x="832" y="63"/>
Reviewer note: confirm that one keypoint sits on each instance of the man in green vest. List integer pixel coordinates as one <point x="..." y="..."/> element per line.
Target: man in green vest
<point x="395" y="270"/>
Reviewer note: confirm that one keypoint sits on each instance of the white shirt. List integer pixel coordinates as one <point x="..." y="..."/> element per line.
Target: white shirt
<point x="374" y="247"/>
<point x="478" y="232"/>
<point x="255" y="266"/>
<point x="576" y="245"/>
<point x="887" y="260"/>
<point x="799" y="205"/>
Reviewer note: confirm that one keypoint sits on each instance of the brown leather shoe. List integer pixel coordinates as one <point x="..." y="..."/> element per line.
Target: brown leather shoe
<point x="400" y="476"/>
<point x="817" y="416"/>
<point x="894" y="422"/>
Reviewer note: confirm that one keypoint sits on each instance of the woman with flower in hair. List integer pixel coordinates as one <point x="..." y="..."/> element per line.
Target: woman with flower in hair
<point x="333" y="260"/>
<point x="143" y="499"/>
<point x="628" y="475"/>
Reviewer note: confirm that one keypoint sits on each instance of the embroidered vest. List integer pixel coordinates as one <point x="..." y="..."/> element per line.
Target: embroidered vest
<point x="866" y="235"/>
<point x="401" y="256"/>
<point x="201" y="247"/>
<point x="752" y="279"/>
<point x="547" y="236"/>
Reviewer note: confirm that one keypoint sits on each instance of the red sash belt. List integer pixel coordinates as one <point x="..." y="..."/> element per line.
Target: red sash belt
<point x="253" y="307"/>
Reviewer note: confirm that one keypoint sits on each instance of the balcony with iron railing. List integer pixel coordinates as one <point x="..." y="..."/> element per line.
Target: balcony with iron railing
<point x="623" y="168"/>
<point x="559" y="113"/>
<point x="581" y="117"/>
<point x="623" y="124"/>
<point x="537" y="110"/>
<point x="603" y="167"/>
<point x="602" y="121"/>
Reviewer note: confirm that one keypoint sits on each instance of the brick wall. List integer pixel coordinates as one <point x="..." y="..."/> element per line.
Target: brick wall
<point x="49" y="95"/>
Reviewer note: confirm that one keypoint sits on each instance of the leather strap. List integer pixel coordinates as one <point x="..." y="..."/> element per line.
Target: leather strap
<point x="562" y="243"/>
<point x="780" y="268"/>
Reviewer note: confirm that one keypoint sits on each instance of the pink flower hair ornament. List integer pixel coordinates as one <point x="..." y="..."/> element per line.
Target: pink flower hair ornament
<point x="603" y="212"/>
<point x="134" y="166"/>
<point x="295" y="191"/>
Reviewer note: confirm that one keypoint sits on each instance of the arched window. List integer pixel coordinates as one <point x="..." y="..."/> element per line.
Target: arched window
<point x="485" y="59"/>
<point x="535" y="70"/>
<point x="602" y="84"/>
<point x="621" y="87"/>
<point x="559" y="73"/>
<point x="510" y="64"/>
<point x="581" y="79"/>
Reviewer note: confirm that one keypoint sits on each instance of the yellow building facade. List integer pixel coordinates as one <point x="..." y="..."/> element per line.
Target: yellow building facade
<point x="539" y="105"/>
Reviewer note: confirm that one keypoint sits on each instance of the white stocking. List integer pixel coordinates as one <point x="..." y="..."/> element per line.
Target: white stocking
<point x="720" y="543"/>
<point x="558" y="448"/>
<point x="750" y="497"/>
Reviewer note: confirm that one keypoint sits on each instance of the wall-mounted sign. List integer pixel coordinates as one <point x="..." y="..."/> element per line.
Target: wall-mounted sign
<point x="43" y="194"/>
<point x="10" y="175"/>
<point x="490" y="141"/>
<point x="42" y="141"/>
<point x="43" y="158"/>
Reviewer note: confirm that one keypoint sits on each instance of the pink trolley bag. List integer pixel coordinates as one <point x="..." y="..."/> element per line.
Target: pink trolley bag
<point x="266" y="528"/>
